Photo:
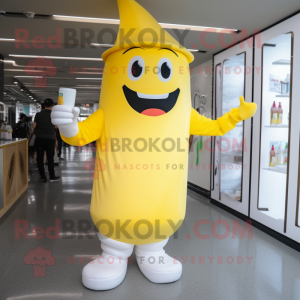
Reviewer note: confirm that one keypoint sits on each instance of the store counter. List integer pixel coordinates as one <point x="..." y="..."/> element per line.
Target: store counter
<point x="13" y="172"/>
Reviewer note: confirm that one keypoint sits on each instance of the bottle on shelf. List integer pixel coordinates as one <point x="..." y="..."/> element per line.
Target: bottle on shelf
<point x="238" y="195"/>
<point x="279" y="114"/>
<point x="274" y="114"/>
<point x="279" y="156"/>
<point x="287" y="80"/>
<point x="272" y="157"/>
<point x="285" y="153"/>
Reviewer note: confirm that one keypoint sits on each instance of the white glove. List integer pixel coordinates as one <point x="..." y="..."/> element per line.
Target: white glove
<point x="65" y="117"/>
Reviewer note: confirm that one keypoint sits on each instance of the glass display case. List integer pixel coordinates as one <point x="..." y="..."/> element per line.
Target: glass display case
<point x="231" y="174"/>
<point x="231" y="143"/>
<point x="275" y="152"/>
<point x="274" y="135"/>
<point x="216" y="155"/>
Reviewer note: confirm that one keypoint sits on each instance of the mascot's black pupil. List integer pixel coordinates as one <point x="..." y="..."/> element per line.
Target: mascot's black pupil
<point x="136" y="69"/>
<point x="165" y="71"/>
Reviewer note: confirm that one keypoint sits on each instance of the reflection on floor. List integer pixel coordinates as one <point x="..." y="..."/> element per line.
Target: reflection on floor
<point x="214" y="268"/>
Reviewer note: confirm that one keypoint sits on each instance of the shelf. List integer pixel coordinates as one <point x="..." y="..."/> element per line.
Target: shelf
<point x="230" y="194"/>
<point x="278" y="169"/>
<point x="231" y="162"/>
<point x="285" y="62"/>
<point x="283" y="96"/>
<point x="277" y="126"/>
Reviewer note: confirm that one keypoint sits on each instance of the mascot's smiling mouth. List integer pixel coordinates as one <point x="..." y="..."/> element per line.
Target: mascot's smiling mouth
<point x="151" y="105"/>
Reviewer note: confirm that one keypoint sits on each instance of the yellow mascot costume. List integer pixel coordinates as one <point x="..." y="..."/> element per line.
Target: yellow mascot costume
<point x="142" y="130"/>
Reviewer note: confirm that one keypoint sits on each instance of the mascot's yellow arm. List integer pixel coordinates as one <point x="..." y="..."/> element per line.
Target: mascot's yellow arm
<point x="91" y="129"/>
<point x="201" y="125"/>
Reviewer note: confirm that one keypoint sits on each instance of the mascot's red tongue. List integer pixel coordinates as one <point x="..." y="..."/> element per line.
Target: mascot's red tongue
<point x="153" y="112"/>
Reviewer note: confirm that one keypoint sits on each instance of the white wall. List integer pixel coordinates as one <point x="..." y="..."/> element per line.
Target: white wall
<point x="95" y="106"/>
<point x="201" y="82"/>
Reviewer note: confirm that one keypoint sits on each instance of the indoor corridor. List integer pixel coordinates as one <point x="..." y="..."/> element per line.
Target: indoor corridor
<point x="253" y="266"/>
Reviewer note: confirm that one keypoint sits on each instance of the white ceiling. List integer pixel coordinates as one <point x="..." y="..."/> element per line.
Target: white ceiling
<point x="237" y="14"/>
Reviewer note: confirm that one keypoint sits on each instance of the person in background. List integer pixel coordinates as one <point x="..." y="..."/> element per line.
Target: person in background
<point x="21" y="130"/>
<point x="32" y="140"/>
<point x="59" y="144"/>
<point x="45" y="140"/>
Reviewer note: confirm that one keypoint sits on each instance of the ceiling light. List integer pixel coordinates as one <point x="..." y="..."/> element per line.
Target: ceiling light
<point x="102" y="45"/>
<point x="89" y="78"/>
<point x="16" y="82"/>
<point x="164" y="25"/>
<point x="34" y="100"/>
<point x="29" y="14"/>
<point x="21" y="90"/>
<point x="57" y="57"/>
<point x="197" y="28"/>
<point x="83" y="19"/>
<point x="10" y="61"/>
<point x="4" y="93"/>
<point x="4" y="39"/>
<point x="17" y="92"/>
<point x="28" y="76"/>
<point x="196" y="50"/>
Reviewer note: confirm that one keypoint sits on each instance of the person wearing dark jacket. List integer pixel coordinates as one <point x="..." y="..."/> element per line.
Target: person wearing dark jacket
<point x="45" y="140"/>
<point x="21" y="130"/>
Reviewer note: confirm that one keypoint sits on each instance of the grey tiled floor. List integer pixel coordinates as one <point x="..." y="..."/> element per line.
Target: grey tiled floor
<point x="273" y="272"/>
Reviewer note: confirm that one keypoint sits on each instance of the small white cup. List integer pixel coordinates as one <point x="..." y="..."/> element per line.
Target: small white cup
<point x="66" y="97"/>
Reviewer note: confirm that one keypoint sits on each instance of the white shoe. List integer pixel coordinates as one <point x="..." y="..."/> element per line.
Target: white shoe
<point x="109" y="270"/>
<point x="156" y="265"/>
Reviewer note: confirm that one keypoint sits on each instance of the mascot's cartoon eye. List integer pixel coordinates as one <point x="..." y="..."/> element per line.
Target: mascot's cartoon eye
<point x="165" y="69"/>
<point x="136" y="68"/>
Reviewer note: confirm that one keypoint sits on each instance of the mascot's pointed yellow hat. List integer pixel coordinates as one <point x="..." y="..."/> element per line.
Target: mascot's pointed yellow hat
<point x="139" y="29"/>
